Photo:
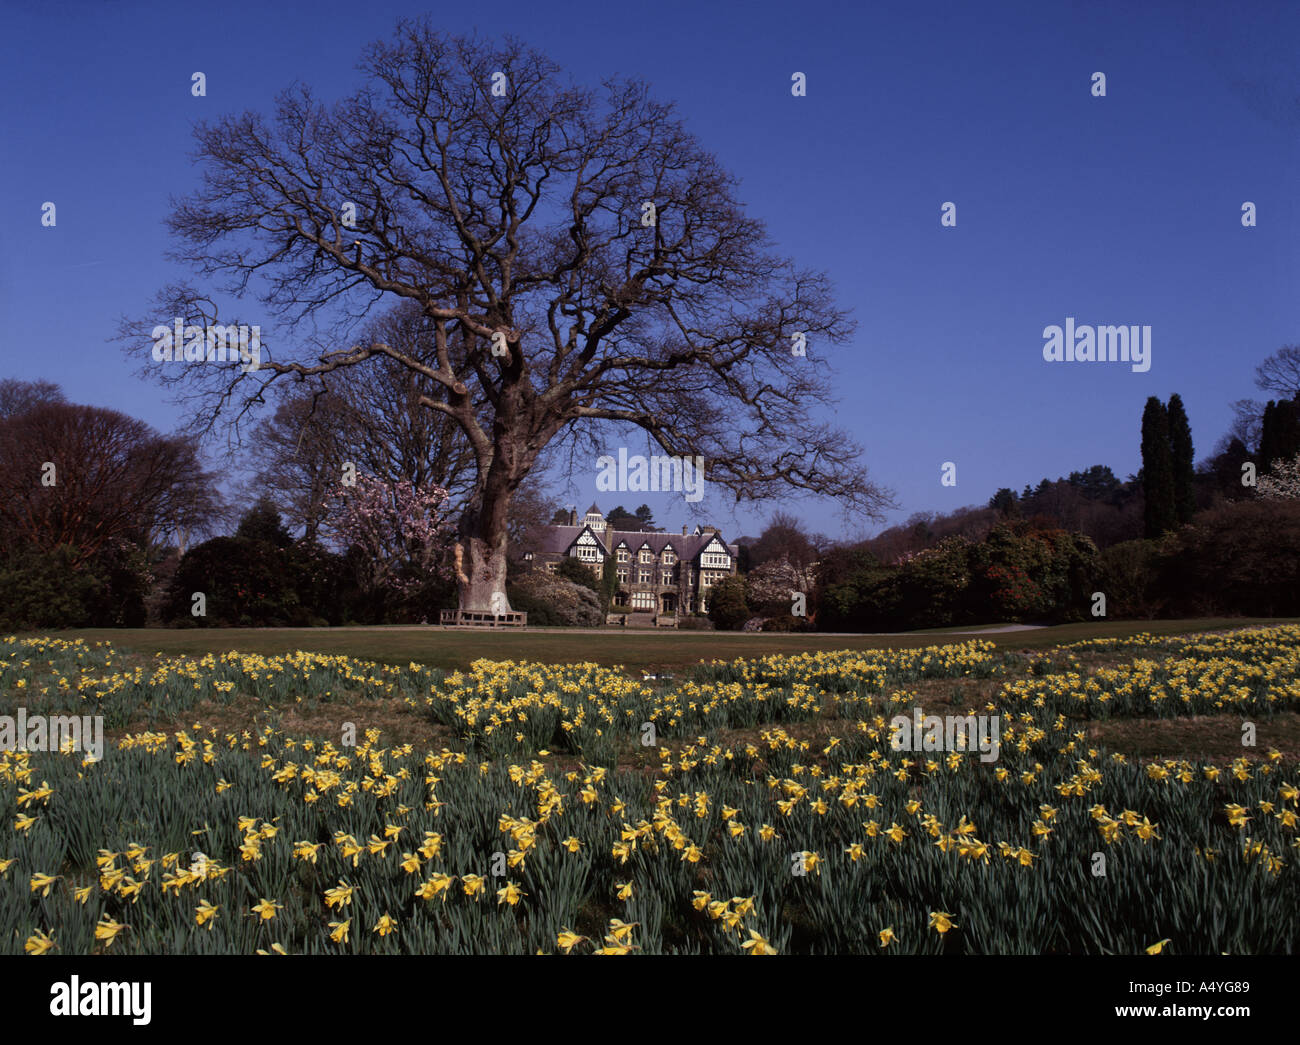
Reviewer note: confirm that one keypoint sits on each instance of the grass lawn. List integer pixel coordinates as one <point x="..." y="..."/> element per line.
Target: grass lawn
<point x="637" y="651"/>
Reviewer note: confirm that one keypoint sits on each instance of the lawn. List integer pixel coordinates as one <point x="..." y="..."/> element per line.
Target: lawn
<point x="637" y="651"/>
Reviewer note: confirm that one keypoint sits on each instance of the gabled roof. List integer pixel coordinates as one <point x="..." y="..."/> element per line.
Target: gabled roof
<point x="557" y="540"/>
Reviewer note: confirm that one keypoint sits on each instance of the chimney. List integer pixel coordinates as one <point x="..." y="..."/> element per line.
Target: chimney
<point x="573" y="516"/>
<point x="683" y="531"/>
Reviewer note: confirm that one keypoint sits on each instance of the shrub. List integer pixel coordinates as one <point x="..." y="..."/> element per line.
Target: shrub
<point x="1241" y="557"/>
<point x="42" y="590"/>
<point x="728" y="608"/>
<point x="1127" y="577"/>
<point x="575" y="605"/>
<point x="578" y="572"/>
<point x="245" y="583"/>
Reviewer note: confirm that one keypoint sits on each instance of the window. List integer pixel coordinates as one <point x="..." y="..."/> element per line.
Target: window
<point x="715" y="559"/>
<point x="643" y="576"/>
<point x="622" y="576"/>
<point x="623" y="555"/>
<point x="647" y="555"/>
<point x="669" y="557"/>
<point x="665" y="577"/>
<point x="588" y="554"/>
<point x="643" y="600"/>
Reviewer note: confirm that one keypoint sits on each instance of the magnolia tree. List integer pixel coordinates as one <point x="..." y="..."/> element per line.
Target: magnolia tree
<point x="582" y="265"/>
<point x="1282" y="482"/>
<point x="404" y="531"/>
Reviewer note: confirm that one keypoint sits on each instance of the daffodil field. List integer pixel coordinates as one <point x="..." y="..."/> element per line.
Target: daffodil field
<point x="772" y="816"/>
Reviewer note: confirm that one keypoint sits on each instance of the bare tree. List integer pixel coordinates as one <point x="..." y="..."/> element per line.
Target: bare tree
<point x="17" y="397"/>
<point x="87" y="477"/>
<point x="369" y="417"/>
<point x="1280" y="373"/>
<point x="582" y="260"/>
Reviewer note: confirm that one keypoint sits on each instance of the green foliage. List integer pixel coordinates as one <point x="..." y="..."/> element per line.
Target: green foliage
<point x="245" y="583"/>
<point x="608" y="583"/>
<point x="541" y="614"/>
<point x="42" y="590"/>
<point x="1004" y="502"/>
<point x="262" y="523"/>
<point x="572" y="569"/>
<point x="1016" y="573"/>
<point x="1279" y="436"/>
<point x="46" y="589"/>
<point x="1182" y="460"/>
<point x="1157" y="470"/>
<point x="728" y="607"/>
<point x="1128" y="579"/>
<point x="1241" y="557"/>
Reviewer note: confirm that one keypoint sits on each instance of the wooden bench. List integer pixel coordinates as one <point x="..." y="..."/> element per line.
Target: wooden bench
<point x="475" y="619"/>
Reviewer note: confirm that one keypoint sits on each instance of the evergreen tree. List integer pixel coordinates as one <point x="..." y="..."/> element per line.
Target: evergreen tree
<point x="1157" y="470"/>
<point x="262" y="523"/>
<point x="1280" y="432"/>
<point x="1181" y="458"/>
<point x="1004" y="501"/>
<point x="620" y="518"/>
<point x="608" y="583"/>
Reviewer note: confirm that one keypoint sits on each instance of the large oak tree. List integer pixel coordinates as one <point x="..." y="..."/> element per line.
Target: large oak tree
<point x="584" y="263"/>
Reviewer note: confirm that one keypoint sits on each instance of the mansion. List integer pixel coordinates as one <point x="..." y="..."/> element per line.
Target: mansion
<point x="658" y="573"/>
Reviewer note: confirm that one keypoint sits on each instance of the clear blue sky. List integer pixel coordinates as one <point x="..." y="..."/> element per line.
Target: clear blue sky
<point x="1117" y="210"/>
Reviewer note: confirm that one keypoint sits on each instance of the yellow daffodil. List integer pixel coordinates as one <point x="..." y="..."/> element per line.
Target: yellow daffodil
<point x="38" y="943"/>
<point x="267" y="908"/>
<point x="205" y="913"/>
<point x="941" y="922"/>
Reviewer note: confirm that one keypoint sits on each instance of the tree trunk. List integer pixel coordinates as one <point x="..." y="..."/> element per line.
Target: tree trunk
<point x="481" y="553"/>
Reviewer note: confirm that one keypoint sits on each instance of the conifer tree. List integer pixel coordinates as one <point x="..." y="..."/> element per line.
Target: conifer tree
<point x="1157" y="470"/>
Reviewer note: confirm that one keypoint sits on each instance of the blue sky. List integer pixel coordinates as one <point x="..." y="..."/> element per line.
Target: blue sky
<point x="1117" y="210"/>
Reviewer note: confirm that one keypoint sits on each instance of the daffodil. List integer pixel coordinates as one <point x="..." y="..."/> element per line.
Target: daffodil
<point x="205" y="913"/>
<point x="107" y="930"/>
<point x="567" y="940"/>
<point x="43" y="883"/>
<point x="38" y="943"/>
<point x="941" y="922"/>
<point x="267" y="908"/>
